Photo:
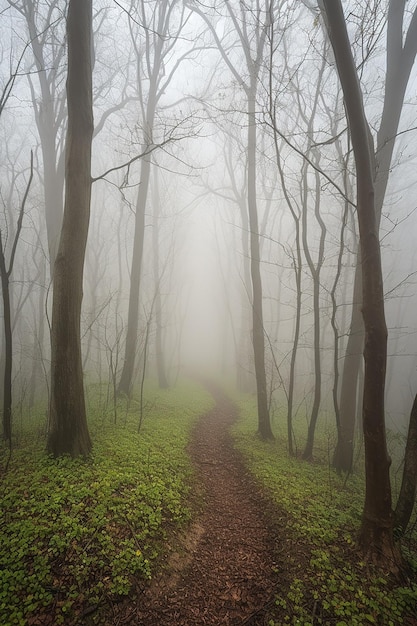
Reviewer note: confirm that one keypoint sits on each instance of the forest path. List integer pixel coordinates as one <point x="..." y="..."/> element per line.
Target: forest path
<point x="226" y="573"/>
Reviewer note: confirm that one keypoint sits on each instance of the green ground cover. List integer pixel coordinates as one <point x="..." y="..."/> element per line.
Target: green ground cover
<point x="330" y="585"/>
<point x="75" y="533"/>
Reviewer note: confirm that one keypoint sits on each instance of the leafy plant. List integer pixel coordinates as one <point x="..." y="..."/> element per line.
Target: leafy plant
<point x="325" y="582"/>
<point x="75" y="532"/>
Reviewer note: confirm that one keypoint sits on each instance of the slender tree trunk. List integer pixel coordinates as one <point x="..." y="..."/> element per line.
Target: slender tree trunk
<point x="376" y="533"/>
<point x="126" y="377"/>
<point x="407" y="497"/>
<point x="245" y="378"/>
<point x="38" y="339"/>
<point x="315" y="274"/>
<point x="297" y="262"/>
<point x="68" y="423"/>
<point x="335" y="328"/>
<point x="159" y="351"/>
<point x="258" y="338"/>
<point x="8" y="350"/>
<point x="5" y="273"/>
<point x="343" y="455"/>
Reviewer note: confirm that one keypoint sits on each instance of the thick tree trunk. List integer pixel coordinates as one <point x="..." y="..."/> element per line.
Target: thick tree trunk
<point x="68" y="430"/>
<point x="407" y="497"/>
<point x="376" y="534"/>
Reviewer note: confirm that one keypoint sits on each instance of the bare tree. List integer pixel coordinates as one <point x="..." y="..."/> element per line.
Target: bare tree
<point x="376" y="534"/>
<point x="49" y="104"/>
<point x="161" y="33"/>
<point x="68" y="430"/>
<point x="6" y="268"/>
<point x="250" y="24"/>
<point x="400" y="57"/>
<point x="157" y="306"/>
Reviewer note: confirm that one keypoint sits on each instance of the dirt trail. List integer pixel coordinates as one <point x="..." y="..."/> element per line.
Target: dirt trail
<point x="226" y="572"/>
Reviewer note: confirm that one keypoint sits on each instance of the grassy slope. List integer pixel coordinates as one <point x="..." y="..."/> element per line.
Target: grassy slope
<point x="74" y="533"/>
<point x="330" y="586"/>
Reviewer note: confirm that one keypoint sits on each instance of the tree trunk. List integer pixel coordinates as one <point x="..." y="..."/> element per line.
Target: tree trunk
<point x="258" y="338"/>
<point x="38" y="339"/>
<point x="5" y="273"/>
<point x="407" y="497"/>
<point x="246" y="382"/>
<point x="126" y="377"/>
<point x="297" y="263"/>
<point x="8" y="352"/>
<point x="68" y="430"/>
<point x="343" y="455"/>
<point x="401" y="53"/>
<point x="159" y="351"/>
<point x="315" y="274"/>
<point x="376" y="534"/>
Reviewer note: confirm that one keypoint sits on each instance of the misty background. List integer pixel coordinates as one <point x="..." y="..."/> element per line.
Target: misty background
<point x="164" y="85"/>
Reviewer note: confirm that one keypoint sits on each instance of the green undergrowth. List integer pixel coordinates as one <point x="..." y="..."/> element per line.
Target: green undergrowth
<point x="328" y="583"/>
<point x="74" y="532"/>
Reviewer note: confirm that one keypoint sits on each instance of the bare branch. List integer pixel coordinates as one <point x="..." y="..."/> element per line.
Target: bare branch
<point x="20" y="219"/>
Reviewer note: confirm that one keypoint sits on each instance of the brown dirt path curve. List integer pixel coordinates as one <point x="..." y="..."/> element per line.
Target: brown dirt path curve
<point x="226" y="573"/>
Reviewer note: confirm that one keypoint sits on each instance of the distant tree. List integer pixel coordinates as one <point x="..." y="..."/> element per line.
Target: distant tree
<point x="250" y="23"/>
<point x="157" y="274"/>
<point x="68" y="430"/>
<point x="315" y="267"/>
<point x="296" y="262"/>
<point x="7" y="264"/>
<point x="376" y="534"/>
<point x="161" y="26"/>
<point x="6" y="268"/>
<point x="49" y="105"/>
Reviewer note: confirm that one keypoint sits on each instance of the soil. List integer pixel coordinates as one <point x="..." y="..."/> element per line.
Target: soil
<point x="225" y="570"/>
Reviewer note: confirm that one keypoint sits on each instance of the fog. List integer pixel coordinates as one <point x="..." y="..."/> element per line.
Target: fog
<point x="174" y="94"/>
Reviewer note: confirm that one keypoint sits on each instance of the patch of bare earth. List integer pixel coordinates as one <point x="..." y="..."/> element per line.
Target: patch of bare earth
<point x="225" y="572"/>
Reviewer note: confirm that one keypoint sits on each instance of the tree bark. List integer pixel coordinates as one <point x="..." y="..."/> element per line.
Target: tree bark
<point x="343" y="455"/>
<point x="68" y="430"/>
<point x="376" y="534"/>
<point x="8" y="353"/>
<point x="126" y="377"/>
<point x="315" y="274"/>
<point x="258" y="337"/>
<point x="400" y="56"/>
<point x="407" y="497"/>
<point x="5" y="273"/>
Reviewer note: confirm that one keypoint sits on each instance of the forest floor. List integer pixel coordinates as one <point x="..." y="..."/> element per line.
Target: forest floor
<point x="225" y="569"/>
